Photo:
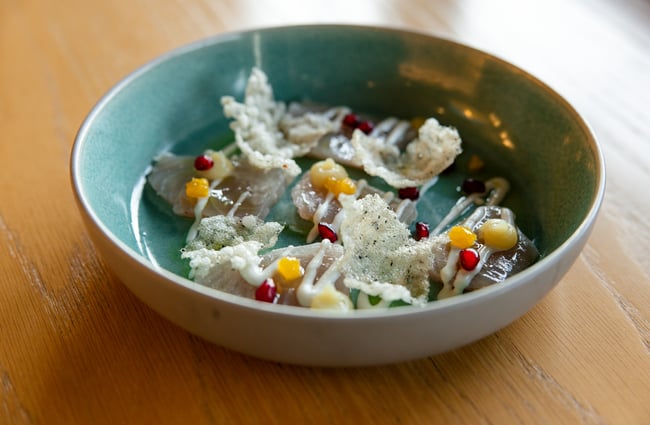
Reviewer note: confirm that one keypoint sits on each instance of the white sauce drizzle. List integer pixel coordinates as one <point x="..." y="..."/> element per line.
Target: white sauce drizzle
<point x="337" y="114"/>
<point x="250" y="270"/>
<point x="338" y="219"/>
<point x="401" y="207"/>
<point x="447" y="273"/>
<point x="198" y="212"/>
<point x="428" y="185"/>
<point x="253" y="273"/>
<point x="392" y="128"/>
<point x="383" y="127"/>
<point x="318" y="215"/>
<point x="245" y="194"/>
<point x="397" y="132"/>
<point x="229" y="149"/>
<point x="388" y="197"/>
<point x="307" y="289"/>
<point x="496" y="189"/>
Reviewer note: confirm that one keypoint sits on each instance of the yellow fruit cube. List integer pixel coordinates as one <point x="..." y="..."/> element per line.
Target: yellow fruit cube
<point x="461" y="237"/>
<point x="197" y="188"/>
<point x="337" y="186"/>
<point x="289" y="268"/>
<point x="346" y="186"/>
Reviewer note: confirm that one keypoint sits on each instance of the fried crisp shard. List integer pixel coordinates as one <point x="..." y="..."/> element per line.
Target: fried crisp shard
<point x="268" y="134"/>
<point x="381" y="258"/>
<point x="227" y="243"/>
<point x="256" y="126"/>
<point x="219" y="231"/>
<point x="432" y="152"/>
<point x="268" y="161"/>
<point x="257" y="118"/>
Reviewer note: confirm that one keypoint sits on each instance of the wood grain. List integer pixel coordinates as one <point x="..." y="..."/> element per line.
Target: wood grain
<point x="76" y="347"/>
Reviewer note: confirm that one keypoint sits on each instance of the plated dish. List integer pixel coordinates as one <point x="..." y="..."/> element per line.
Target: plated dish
<point x="358" y="249"/>
<point x="512" y="127"/>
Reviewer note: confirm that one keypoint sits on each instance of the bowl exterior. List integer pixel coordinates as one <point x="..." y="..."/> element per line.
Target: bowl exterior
<point x="333" y="340"/>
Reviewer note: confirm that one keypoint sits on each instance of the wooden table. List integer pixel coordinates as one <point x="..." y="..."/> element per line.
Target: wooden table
<point x="76" y="347"/>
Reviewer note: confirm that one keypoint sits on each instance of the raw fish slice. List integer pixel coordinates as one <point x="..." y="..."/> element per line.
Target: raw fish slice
<point x="307" y="200"/>
<point x="170" y="174"/>
<point x="304" y="125"/>
<point x="215" y="269"/>
<point x="168" y="177"/>
<point x="500" y="264"/>
<point x="224" y="278"/>
<point x="506" y="263"/>
<point x="337" y="145"/>
<point x="305" y="253"/>
<point x="424" y="158"/>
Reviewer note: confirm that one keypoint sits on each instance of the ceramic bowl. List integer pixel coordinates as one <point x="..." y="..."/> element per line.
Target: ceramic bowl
<point x="516" y="124"/>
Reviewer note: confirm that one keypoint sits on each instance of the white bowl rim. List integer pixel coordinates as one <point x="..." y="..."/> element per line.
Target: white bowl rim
<point x="579" y="236"/>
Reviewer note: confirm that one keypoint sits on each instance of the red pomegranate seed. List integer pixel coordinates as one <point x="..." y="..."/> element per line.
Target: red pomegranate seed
<point x="469" y="258"/>
<point x="327" y="232"/>
<point x="351" y="120"/>
<point x="470" y="186"/>
<point x="421" y="230"/>
<point x="267" y="291"/>
<point x="411" y="193"/>
<point x="366" y="126"/>
<point x="203" y="162"/>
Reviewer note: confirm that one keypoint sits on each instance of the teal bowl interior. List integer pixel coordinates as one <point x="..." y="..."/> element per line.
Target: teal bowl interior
<point x="517" y="125"/>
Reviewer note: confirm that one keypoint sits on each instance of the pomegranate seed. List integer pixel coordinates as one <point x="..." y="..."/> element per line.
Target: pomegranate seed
<point x="203" y="162"/>
<point x="267" y="291"/>
<point x="366" y="126"/>
<point x="470" y="186"/>
<point x="411" y="193"/>
<point x="327" y="232"/>
<point x="421" y="230"/>
<point x="469" y="258"/>
<point x="351" y="120"/>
